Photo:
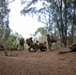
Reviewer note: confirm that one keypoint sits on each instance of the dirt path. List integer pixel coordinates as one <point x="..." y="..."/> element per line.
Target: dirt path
<point x="38" y="63"/>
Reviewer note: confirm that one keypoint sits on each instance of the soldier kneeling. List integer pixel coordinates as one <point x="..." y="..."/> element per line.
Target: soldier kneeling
<point x="73" y="47"/>
<point x="31" y="44"/>
<point x="42" y="46"/>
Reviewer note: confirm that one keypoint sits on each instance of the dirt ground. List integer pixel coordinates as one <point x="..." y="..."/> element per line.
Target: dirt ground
<point x="38" y="63"/>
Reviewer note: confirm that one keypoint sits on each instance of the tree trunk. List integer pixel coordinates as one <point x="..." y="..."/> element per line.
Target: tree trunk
<point x="3" y="37"/>
<point x="62" y="26"/>
<point x="72" y="31"/>
<point x="65" y="27"/>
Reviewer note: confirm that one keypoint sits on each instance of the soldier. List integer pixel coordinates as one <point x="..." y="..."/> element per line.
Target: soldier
<point x="37" y="43"/>
<point x="30" y="43"/>
<point x="42" y="46"/>
<point x="73" y="47"/>
<point x="22" y="43"/>
<point x="50" y="40"/>
<point x="45" y="45"/>
<point x="29" y="40"/>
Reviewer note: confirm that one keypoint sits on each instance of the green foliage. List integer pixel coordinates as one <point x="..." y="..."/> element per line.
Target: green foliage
<point x="6" y="36"/>
<point x="40" y="34"/>
<point x="40" y="30"/>
<point x="26" y="46"/>
<point x="43" y="38"/>
<point x="13" y="41"/>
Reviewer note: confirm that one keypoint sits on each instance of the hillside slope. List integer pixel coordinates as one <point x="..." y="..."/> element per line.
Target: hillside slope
<point x="38" y="63"/>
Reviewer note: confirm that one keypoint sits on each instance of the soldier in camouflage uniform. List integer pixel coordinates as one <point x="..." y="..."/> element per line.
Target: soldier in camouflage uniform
<point x="22" y="43"/>
<point x="50" y="40"/>
<point x="72" y="48"/>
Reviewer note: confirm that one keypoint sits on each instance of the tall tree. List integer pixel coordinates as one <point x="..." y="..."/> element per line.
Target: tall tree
<point x="2" y="16"/>
<point x="72" y="30"/>
<point x="4" y="21"/>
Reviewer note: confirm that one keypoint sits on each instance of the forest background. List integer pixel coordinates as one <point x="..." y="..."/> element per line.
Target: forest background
<point x="58" y="17"/>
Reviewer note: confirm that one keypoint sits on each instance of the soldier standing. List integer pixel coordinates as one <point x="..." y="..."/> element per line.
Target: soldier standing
<point x="49" y="38"/>
<point x="22" y="43"/>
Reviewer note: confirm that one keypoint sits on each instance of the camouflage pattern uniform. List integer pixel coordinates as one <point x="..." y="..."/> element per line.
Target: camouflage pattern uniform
<point x="49" y="41"/>
<point x="22" y="43"/>
<point x="73" y="47"/>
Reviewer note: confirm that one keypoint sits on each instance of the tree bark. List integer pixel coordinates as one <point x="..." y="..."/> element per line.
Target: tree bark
<point x="3" y="37"/>
<point x="62" y="25"/>
<point x="72" y="31"/>
<point x="65" y="43"/>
